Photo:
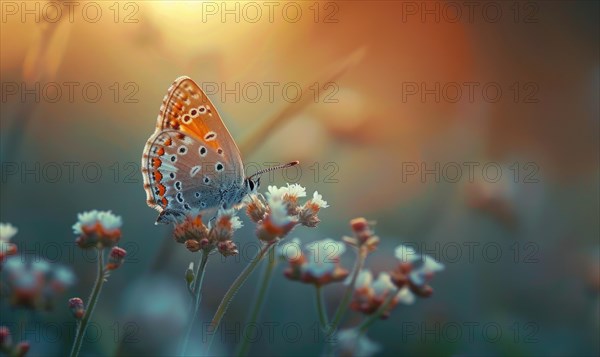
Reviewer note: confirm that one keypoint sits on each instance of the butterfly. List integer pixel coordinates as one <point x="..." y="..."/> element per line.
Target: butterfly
<point x="191" y="165"/>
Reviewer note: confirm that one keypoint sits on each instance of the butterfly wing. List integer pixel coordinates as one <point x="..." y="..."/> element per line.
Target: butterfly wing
<point x="191" y="156"/>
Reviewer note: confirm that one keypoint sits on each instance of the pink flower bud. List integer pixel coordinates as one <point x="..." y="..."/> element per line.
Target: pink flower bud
<point x="116" y="258"/>
<point x="5" y="338"/>
<point x="77" y="307"/>
<point x="22" y="349"/>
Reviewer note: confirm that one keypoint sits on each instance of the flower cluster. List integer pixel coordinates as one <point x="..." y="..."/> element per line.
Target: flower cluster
<point x="415" y="271"/>
<point x="318" y="264"/>
<point x="116" y="258"/>
<point x="280" y="212"/>
<point x="35" y="284"/>
<point x="7" y="231"/>
<point x="410" y="278"/>
<point x="97" y="229"/>
<point x="196" y="236"/>
<point x="101" y="229"/>
<point x="364" y="237"/>
<point x="8" y="347"/>
<point x="77" y="308"/>
<point x="369" y="295"/>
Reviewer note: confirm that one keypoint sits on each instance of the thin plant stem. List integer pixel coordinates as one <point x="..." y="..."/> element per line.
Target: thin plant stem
<point x="321" y="310"/>
<point x="364" y="326"/>
<point x="259" y="300"/>
<point x="197" y="289"/>
<point x="82" y="326"/>
<point x="237" y="284"/>
<point x="345" y="302"/>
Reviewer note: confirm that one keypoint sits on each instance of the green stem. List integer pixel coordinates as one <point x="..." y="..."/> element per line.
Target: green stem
<point x="259" y="300"/>
<point x="362" y="328"/>
<point x="199" y="278"/>
<point x="345" y="302"/>
<point x="80" y="334"/>
<point x="237" y="284"/>
<point x="322" y="311"/>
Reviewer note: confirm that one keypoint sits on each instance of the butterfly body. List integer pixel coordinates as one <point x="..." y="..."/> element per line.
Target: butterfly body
<point x="191" y="163"/>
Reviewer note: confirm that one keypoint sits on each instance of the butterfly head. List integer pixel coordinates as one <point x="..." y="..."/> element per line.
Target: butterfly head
<point x="251" y="185"/>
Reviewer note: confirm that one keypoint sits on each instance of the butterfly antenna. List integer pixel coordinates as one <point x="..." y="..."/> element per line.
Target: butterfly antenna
<point x="272" y="168"/>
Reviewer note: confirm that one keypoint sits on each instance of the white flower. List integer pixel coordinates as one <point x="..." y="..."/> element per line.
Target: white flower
<point x="353" y="343"/>
<point x="428" y="267"/>
<point x="296" y="190"/>
<point x="326" y="249"/>
<point x="279" y="213"/>
<point x="37" y="274"/>
<point x="405" y="296"/>
<point x="322" y="256"/>
<point x="106" y="219"/>
<point x="431" y="265"/>
<point x="235" y="221"/>
<point x="14" y="265"/>
<point x="318" y="263"/>
<point x="318" y="200"/>
<point x="109" y="221"/>
<point x="40" y="266"/>
<point x="276" y="193"/>
<point x="7" y="231"/>
<point x="383" y="285"/>
<point x="363" y="279"/>
<point x="64" y="276"/>
<point x="290" y="250"/>
<point x="406" y="254"/>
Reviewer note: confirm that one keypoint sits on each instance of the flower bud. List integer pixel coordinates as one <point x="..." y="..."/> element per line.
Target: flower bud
<point x="424" y="291"/>
<point x="77" y="307"/>
<point x="227" y="248"/>
<point x="97" y="229"/>
<point x="191" y="228"/>
<point x="21" y="349"/>
<point x="359" y="225"/>
<point x="308" y="218"/>
<point x="192" y="245"/>
<point x="364" y="234"/>
<point x="189" y="273"/>
<point x="116" y="258"/>
<point x="307" y="214"/>
<point x="320" y="265"/>
<point x="256" y="209"/>
<point x="400" y="276"/>
<point x="226" y="223"/>
<point x="204" y="243"/>
<point x="5" y="338"/>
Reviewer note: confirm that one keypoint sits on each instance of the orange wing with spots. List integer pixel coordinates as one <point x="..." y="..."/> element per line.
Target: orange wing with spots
<point x="188" y="109"/>
<point x="188" y="148"/>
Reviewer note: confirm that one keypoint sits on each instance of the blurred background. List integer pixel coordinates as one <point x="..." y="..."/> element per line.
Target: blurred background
<point x="468" y="131"/>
